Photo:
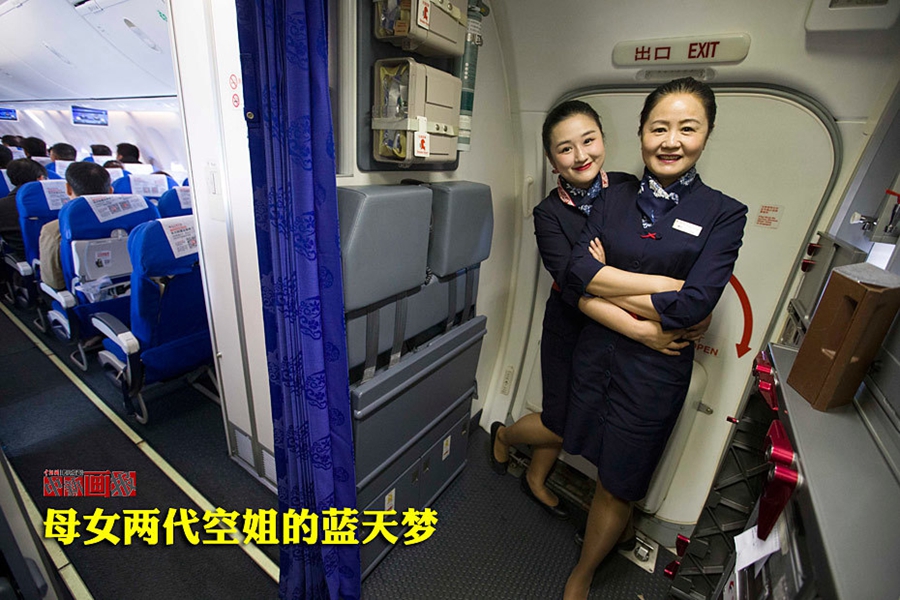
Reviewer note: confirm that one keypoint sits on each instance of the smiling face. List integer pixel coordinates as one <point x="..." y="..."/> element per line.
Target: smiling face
<point x="576" y="149"/>
<point x="674" y="136"/>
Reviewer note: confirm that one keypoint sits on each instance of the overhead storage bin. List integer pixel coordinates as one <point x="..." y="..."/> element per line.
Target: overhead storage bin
<point x="415" y="117"/>
<point x="428" y="27"/>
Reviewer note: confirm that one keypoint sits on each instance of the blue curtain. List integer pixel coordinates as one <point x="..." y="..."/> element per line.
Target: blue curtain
<point x="284" y="52"/>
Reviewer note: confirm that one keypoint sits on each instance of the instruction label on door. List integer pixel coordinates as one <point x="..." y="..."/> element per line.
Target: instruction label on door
<point x="769" y="216"/>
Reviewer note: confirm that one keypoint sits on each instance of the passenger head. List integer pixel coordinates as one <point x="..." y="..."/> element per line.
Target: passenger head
<point x="62" y="151"/>
<point x="24" y="170"/>
<point x="113" y="164"/>
<point x="161" y="173"/>
<point x="13" y="141"/>
<point x="34" y="146"/>
<point x="84" y="178"/>
<point x="676" y="121"/>
<point x="5" y="156"/>
<point x="572" y="136"/>
<point x="100" y="150"/>
<point x="127" y="153"/>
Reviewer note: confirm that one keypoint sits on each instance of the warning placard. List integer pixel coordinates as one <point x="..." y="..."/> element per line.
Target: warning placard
<point x="769" y="216"/>
<point x="182" y="235"/>
<point x="113" y="206"/>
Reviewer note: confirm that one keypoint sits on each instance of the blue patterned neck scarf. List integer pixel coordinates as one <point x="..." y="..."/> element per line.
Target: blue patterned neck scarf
<point x="582" y="198"/>
<point x="655" y="201"/>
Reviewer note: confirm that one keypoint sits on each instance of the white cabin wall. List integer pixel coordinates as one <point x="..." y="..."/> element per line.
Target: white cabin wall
<point x="207" y="53"/>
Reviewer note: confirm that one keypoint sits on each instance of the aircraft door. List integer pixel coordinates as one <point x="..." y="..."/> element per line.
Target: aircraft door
<point x="777" y="153"/>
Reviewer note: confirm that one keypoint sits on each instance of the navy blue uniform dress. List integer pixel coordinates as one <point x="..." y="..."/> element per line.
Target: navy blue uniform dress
<point x="626" y="397"/>
<point x="557" y="226"/>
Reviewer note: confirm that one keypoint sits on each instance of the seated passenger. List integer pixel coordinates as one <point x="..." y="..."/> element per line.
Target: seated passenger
<point x="101" y="150"/>
<point x="113" y="164"/>
<point x="128" y="153"/>
<point x="11" y="141"/>
<point x="20" y="171"/>
<point x="5" y="156"/>
<point x="82" y="179"/>
<point x="34" y="146"/>
<point x="62" y="151"/>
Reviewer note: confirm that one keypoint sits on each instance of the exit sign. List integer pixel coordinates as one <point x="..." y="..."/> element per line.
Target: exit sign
<point x="725" y="48"/>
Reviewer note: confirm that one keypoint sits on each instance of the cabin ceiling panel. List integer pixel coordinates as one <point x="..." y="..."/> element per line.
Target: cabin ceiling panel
<point x="844" y="70"/>
<point x="51" y="52"/>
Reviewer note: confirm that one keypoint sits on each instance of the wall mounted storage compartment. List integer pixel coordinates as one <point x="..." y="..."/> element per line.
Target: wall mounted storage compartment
<point x="428" y="27"/>
<point x="415" y="117"/>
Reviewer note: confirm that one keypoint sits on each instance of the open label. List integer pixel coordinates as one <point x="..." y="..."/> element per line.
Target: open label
<point x="422" y="144"/>
<point x="181" y="233"/>
<point x="112" y="206"/>
<point x="424" y="14"/>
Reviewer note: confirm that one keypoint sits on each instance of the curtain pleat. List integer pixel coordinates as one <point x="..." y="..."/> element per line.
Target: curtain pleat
<point x="285" y="57"/>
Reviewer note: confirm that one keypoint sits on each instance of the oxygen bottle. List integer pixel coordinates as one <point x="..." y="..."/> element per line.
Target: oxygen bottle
<point x="466" y="72"/>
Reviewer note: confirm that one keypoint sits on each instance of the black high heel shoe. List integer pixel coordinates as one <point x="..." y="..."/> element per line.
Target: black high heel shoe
<point x="559" y="511"/>
<point x="496" y="465"/>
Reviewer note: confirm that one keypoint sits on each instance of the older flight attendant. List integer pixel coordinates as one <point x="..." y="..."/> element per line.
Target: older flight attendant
<point x="626" y="397"/>
<point x="572" y="137"/>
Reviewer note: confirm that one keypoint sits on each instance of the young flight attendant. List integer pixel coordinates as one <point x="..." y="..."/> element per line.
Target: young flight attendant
<point x="573" y="143"/>
<point x="625" y="397"/>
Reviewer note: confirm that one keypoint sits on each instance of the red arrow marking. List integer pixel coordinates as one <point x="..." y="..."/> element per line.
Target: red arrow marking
<point x="744" y="346"/>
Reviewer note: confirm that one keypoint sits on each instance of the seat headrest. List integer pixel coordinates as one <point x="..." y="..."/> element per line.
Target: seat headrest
<point x="463" y="224"/>
<point x="164" y="247"/>
<point x="92" y="217"/>
<point x="384" y="241"/>
<point x="175" y="202"/>
<point x="38" y="199"/>
<point x="148" y="186"/>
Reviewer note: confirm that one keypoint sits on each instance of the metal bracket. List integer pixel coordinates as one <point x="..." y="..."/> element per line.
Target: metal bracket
<point x="705" y="408"/>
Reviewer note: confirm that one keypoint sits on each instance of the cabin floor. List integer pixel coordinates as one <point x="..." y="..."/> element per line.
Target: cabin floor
<point x="490" y="541"/>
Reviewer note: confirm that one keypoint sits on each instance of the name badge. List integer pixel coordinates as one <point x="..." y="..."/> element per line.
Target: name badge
<point x="686" y="227"/>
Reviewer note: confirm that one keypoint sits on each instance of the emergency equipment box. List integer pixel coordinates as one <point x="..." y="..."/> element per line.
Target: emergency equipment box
<point x="428" y="27"/>
<point x="415" y="117"/>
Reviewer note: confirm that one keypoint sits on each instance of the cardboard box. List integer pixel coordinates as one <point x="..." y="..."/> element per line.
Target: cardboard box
<point x="853" y="317"/>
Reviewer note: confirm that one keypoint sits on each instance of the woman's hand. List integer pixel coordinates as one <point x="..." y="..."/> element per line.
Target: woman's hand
<point x="695" y="332"/>
<point x="651" y="334"/>
<point x="597" y="251"/>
